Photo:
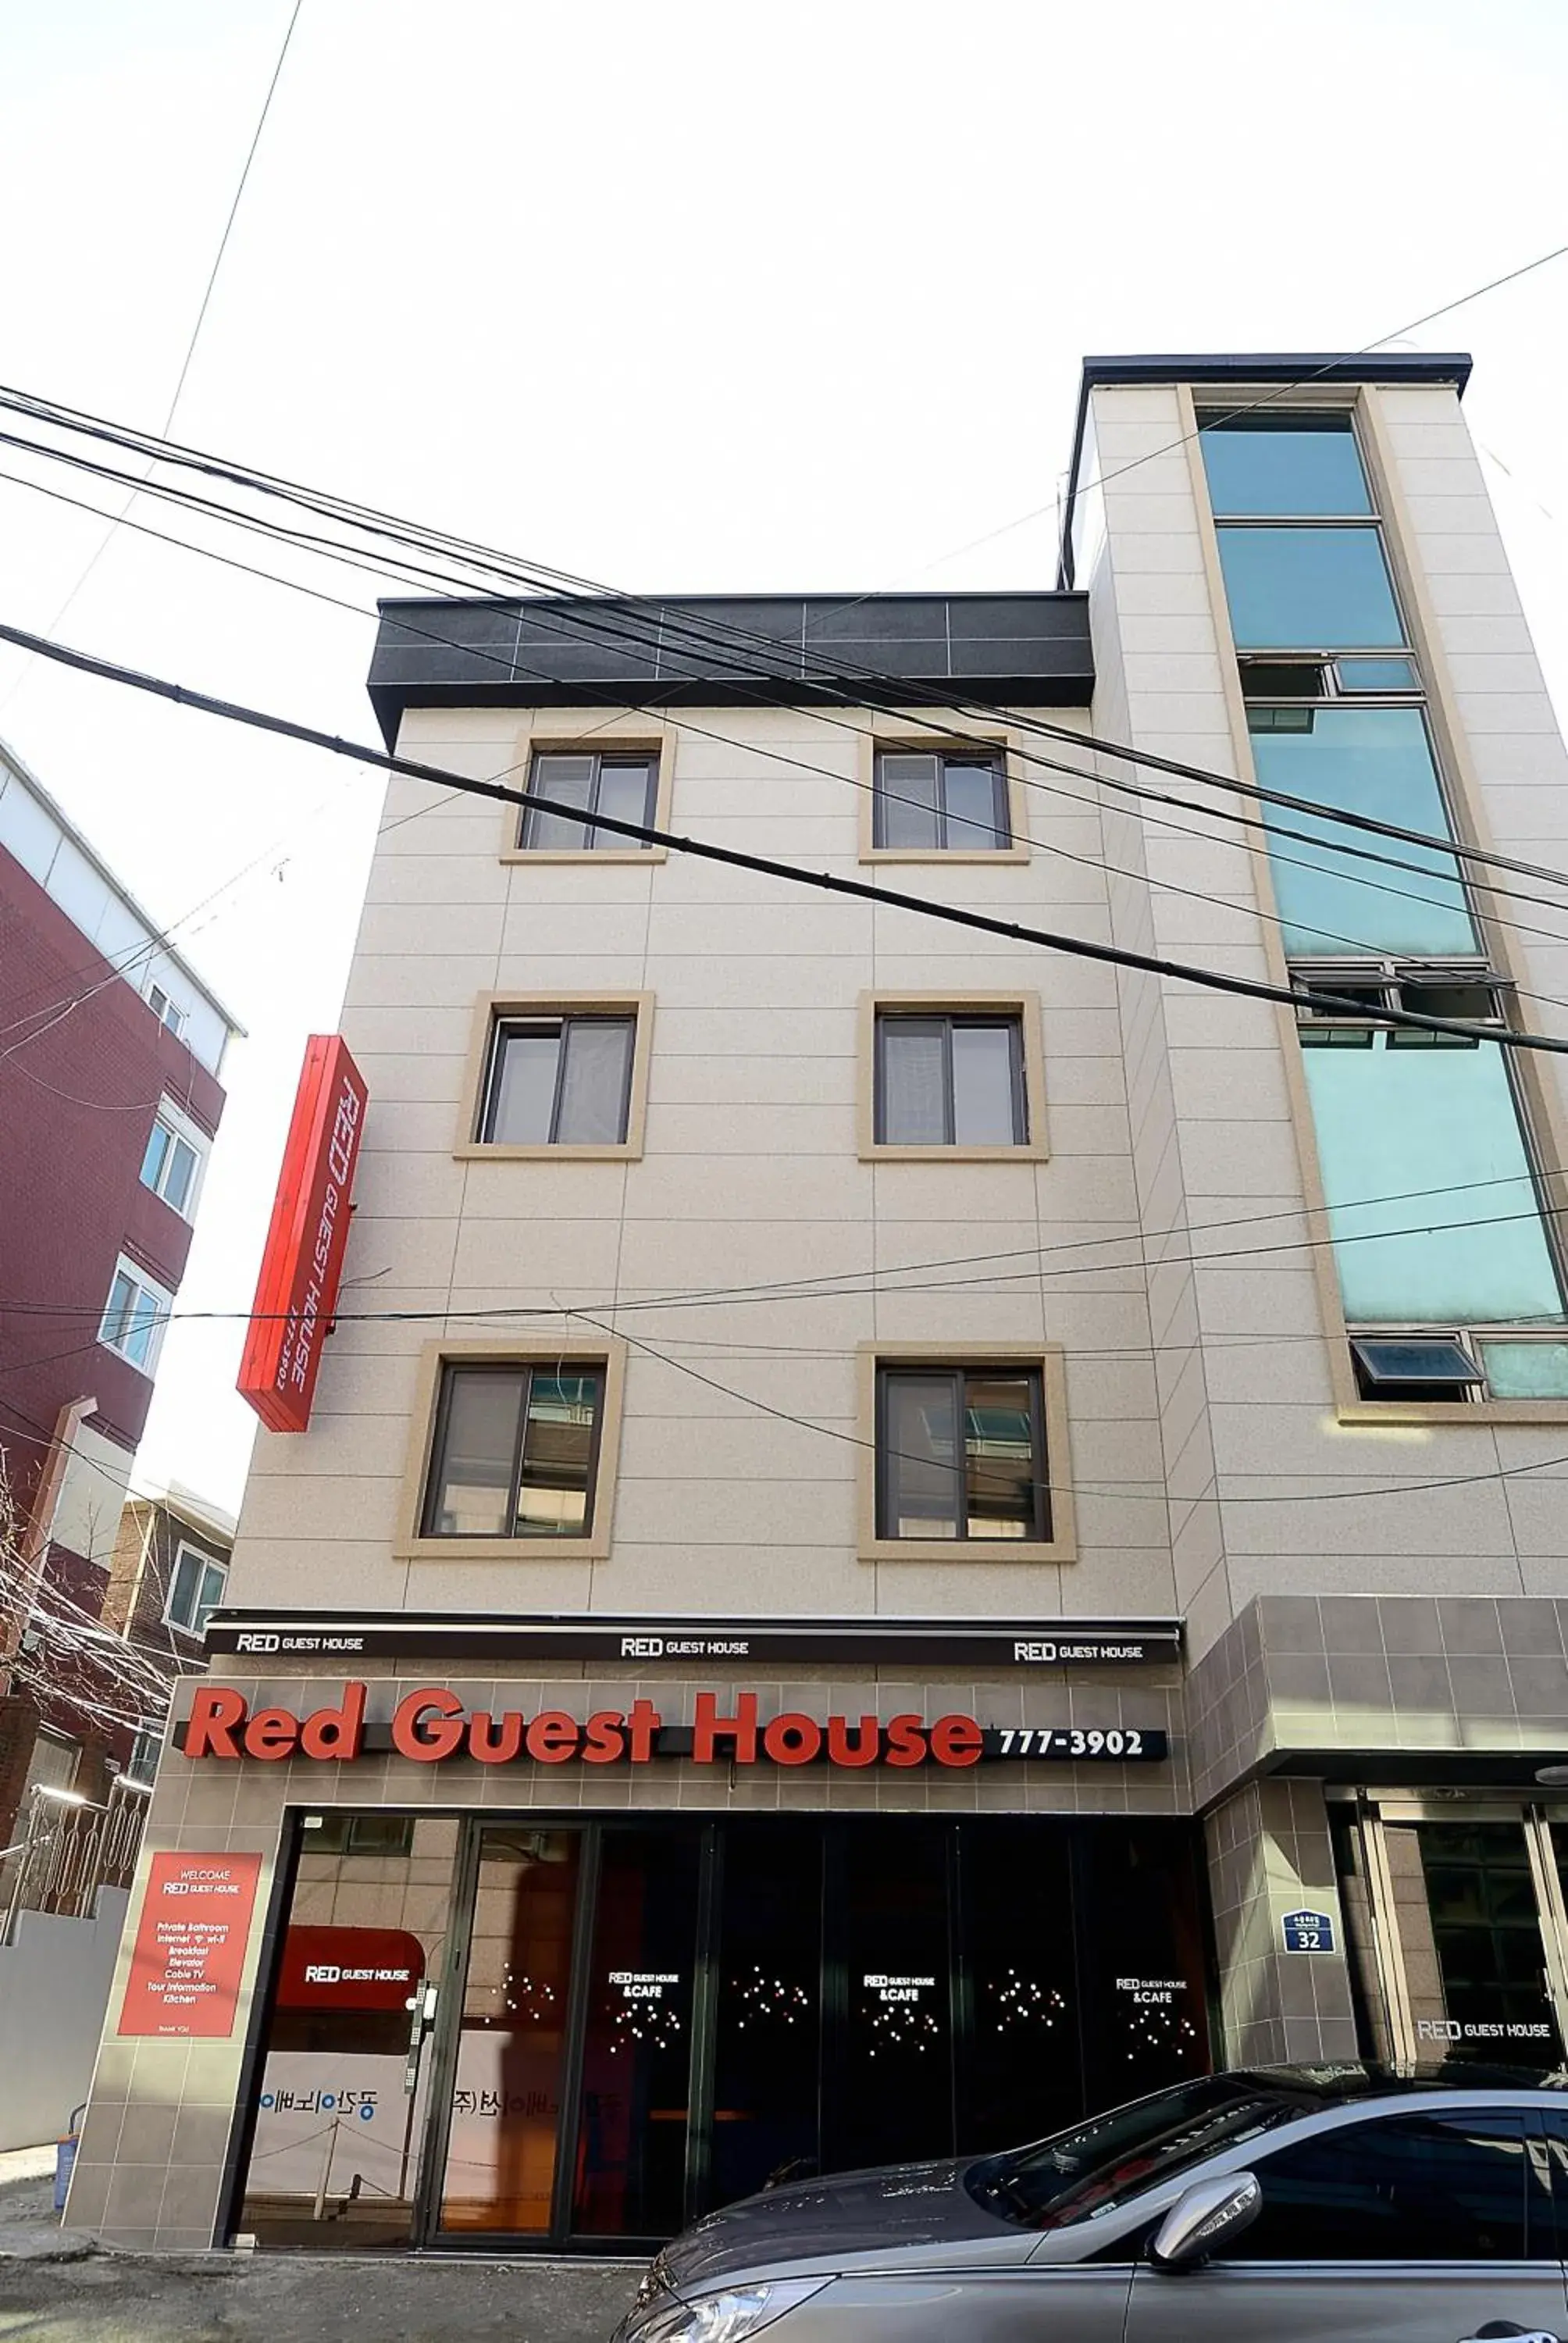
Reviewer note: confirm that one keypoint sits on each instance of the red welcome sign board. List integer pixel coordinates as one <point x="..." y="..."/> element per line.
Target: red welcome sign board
<point x="302" y="1266"/>
<point x="189" y="1952"/>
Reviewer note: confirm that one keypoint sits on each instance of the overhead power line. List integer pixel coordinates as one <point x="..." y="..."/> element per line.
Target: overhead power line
<point x="1269" y="832"/>
<point x="195" y="331"/>
<point x="1015" y="931"/>
<point x="602" y="609"/>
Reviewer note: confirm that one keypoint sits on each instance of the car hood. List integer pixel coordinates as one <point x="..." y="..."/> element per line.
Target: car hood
<point x="873" y="2214"/>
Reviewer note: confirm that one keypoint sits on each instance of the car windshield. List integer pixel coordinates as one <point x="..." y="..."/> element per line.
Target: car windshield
<point x="1079" y="2174"/>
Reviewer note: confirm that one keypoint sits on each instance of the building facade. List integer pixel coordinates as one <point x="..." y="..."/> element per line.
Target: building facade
<point x="927" y="1528"/>
<point x="110" y="1096"/>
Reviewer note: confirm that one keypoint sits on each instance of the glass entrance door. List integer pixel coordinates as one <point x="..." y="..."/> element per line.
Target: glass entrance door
<point x="505" y="2097"/>
<point x="343" y="2086"/>
<point x="1465" y="1950"/>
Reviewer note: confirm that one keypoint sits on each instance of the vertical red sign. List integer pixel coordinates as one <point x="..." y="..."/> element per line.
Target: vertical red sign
<point x="189" y="1953"/>
<point x="302" y="1266"/>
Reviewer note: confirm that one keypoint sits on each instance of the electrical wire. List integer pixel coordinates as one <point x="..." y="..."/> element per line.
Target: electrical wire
<point x="1269" y="832"/>
<point x="1155" y="1489"/>
<point x="1230" y="415"/>
<point x="1015" y="931"/>
<point x="190" y="351"/>
<point x="601" y="609"/>
<point x="1273" y="831"/>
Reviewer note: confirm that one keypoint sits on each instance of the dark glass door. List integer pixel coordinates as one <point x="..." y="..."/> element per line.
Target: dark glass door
<point x="888" y="2080"/>
<point x="1023" y="2073"/>
<point x="767" y="2118"/>
<point x="636" y="2098"/>
<point x="1143" y="2010"/>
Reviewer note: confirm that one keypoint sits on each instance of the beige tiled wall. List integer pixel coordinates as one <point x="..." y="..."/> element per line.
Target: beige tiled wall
<point x="742" y="1495"/>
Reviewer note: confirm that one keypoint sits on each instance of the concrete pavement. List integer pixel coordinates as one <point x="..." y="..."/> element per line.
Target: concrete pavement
<point x="57" y="2286"/>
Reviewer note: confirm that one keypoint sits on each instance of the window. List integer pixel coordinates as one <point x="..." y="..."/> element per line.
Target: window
<point x="145" y="1751"/>
<point x="197" y="1587"/>
<point x="1293" y="587"/>
<point x="623" y="786"/>
<point x="135" y="1316"/>
<point x="1376" y="761"/>
<point x="341" y="1833"/>
<point x="172" y="1162"/>
<point x="1417" y="1366"/>
<point x="1428" y="1181"/>
<point x="1082" y="2174"/>
<point x="951" y="1082"/>
<point x="165" y="1009"/>
<point x="1300" y="574"/>
<point x="1287" y="462"/>
<point x="940" y="801"/>
<point x="960" y="1453"/>
<point x="1447" y="1278"/>
<point x="515" y="1451"/>
<point x="1415" y="2187"/>
<point x="556" y="1081"/>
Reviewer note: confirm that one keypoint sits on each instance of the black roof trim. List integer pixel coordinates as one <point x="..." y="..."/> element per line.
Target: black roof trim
<point x="1301" y="370"/>
<point x="643" y="650"/>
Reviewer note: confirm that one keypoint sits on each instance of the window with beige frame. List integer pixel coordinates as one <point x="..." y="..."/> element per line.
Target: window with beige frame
<point x="514" y="1451"/>
<point x="952" y="1077"/>
<point x="584" y="777"/>
<point x="964" y="1454"/>
<point x="561" y="1074"/>
<point x="943" y="800"/>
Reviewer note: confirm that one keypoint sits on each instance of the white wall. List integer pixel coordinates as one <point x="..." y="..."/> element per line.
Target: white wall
<point x="54" y="1989"/>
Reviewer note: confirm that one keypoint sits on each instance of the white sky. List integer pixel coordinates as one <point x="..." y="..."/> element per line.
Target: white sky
<point x="677" y="297"/>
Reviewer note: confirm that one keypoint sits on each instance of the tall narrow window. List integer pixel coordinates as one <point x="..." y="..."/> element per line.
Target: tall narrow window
<point x="960" y="1453"/>
<point x="516" y="1452"/>
<point x="1332" y="897"/>
<point x="558" y="1081"/>
<point x="1430" y="1195"/>
<point x="951" y="1082"/>
<point x="940" y="802"/>
<point x="588" y="786"/>
<point x="1300" y="544"/>
<point x="1429" y="1173"/>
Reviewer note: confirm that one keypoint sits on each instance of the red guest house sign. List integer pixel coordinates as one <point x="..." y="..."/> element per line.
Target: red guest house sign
<point x="302" y="1266"/>
<point x="433" y="1724"/>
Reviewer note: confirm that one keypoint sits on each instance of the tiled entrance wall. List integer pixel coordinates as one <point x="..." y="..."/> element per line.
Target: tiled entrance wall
<point x="1269" y="1854"/>
<point x="149" y="2168"/>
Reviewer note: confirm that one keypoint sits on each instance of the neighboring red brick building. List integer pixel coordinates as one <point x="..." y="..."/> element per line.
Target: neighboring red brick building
<point x="111" y="1049"/>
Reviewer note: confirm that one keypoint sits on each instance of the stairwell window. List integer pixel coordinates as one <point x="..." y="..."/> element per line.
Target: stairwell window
<point x="1300" y="543"/>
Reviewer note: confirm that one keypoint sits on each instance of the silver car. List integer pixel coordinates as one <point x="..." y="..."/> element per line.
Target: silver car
<point x="1329" y="2204"/>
